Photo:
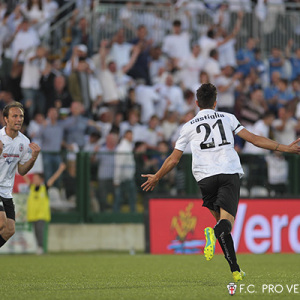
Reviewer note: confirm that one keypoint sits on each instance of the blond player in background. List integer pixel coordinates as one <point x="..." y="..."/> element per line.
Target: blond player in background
<point x="16" y="153"/>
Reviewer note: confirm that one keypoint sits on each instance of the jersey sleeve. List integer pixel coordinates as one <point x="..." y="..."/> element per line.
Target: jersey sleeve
<point x="26" y="156"/>
<point x="182" y="140"/>
<point x="236" y="125"/>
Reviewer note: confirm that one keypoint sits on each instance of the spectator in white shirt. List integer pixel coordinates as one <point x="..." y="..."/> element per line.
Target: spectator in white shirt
<point x="158" y="64"/>
<point x="227" y="51"/>
<point x="124" y="173"/>
<point x="25" y="38"/>
<point x="153" y="133"/>
<point x="5" y="34"/>
<point x="212" y="66"/>
<point x="34" y="10"/>
<point x="256" y="163"/>
<point x="278" y="173"/>
<point x="191" y="66"/>
<point x="209" y="42"/>
<point x="190" y="102"/>
<point x="16" y="18"/>
<point x="171" y="97"/>
<point x="133" y="124"/>
<point x="149" y="99"/>
<point x="285" y="126"/>
<point x="34" y="130"/>
<point x="202" y="78"/>
<point x="226" y="84"/>
<point x="115" y="82"/>
<point x="237" y="5"/>
<point x="50" y="7"/>
<point x="187" y="117"/>
<point x="170" y="125"/>
<point x="177" y="44"/>
<point x="35" y="127"/>
<point x="262" y="128"/>
<point x="35" y="63"/>
<point x="120" y="51"/>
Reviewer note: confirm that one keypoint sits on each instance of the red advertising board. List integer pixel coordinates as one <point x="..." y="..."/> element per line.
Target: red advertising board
<point x="20" y="184"/>
<point x="261" y="226"/>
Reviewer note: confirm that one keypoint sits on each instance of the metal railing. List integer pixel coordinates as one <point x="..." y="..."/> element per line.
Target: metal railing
<point x="92" y="197"/>
<point x="275" y="26"/>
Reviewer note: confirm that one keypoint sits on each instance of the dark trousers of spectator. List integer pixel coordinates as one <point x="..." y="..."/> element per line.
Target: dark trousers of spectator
<point x="258" y="172"/>
<point x="51" y="162"/>
<point x="126" y="188"/>
<point x="39" y="232"/>
<point x="106" y="187"/>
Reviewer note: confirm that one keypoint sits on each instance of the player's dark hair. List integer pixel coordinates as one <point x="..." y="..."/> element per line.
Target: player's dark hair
<point x="206" y="95"/>
<point x="11" y="105"/>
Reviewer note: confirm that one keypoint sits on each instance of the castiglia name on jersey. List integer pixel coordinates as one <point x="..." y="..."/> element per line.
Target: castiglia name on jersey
<point x="208" y="116"/>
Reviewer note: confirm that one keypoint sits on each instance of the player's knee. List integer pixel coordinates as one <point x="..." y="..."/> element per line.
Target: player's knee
<point x="10" y="232"/>
<point x="222" y="227"/>
<point x="2" y="224"/>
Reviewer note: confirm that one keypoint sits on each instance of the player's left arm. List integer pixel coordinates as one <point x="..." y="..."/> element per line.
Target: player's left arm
<point x="24" y="168"/>
<point x="263" y="142"/>
<point x="168" y="165"/>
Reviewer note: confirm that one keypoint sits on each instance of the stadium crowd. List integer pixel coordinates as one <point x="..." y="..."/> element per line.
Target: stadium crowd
<point x="132" y="95"/>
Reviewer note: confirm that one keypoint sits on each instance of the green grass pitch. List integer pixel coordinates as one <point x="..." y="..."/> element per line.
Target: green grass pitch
<point x="140" y="277"/>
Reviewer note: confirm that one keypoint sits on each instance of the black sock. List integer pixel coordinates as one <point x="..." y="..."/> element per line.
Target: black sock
<point x="222" y="232"/>
<point x="2" y="241"/>
<point x="226" y="243"/>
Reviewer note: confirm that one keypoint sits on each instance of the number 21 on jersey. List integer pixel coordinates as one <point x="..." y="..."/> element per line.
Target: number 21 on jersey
<point x="208" y="131"/>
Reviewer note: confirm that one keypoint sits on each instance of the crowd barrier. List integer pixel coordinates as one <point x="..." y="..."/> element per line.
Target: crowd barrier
<point x="80" y="199"/>
<point x="268" y="218"/>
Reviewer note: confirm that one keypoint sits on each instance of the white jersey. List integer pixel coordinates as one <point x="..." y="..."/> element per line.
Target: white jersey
<point x="14" y="151"/>
<point x="210" y="134"/>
